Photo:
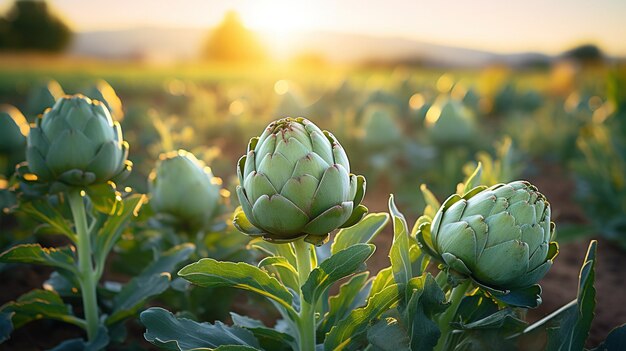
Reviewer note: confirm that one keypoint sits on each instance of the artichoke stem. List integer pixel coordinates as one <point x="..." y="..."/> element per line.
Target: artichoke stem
<point x="447" y="317"/>
<point x="87" y="276"/>
<point x="306" y="322"/>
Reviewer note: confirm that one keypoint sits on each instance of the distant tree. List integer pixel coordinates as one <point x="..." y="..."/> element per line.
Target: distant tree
<point x="31" y="26"/>
<point x="232" y="42"/>
<point x="587" y="53"/>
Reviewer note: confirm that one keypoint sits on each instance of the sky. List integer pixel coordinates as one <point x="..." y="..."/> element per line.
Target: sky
<point x="549" y="26"/>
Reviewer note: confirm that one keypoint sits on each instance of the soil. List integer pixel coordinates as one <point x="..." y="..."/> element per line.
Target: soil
<point x="559" y="286"/>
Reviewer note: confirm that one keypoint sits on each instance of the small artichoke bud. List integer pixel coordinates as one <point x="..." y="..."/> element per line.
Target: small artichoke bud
<point x="295" y="182"/>
<point x="77" y="143"/>
<point x="500" y="237"/>
<point x="184" y="190"/>
<point x="448" y="121"/>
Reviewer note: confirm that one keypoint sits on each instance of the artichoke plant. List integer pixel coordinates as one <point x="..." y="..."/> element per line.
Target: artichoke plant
<point x="104" y="92"/>
<point x="295" y="182"/>
<point x="500" y="237"/>
<point x="448" y="121"/>
<point x="13" y="131"/>
<point x="184" y="190"/>
<point x="76" y="143"/>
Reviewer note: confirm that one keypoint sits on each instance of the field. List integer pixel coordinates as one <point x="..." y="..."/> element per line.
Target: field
<point x="561" y="127"/>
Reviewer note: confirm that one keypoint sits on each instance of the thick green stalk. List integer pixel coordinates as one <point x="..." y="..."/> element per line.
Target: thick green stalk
<point x="456" y="295"/>
<point x="306" y="323"/>
<point x="87" y="274"/>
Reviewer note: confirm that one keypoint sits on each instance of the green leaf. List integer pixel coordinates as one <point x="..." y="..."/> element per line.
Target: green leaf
<point x="112" y="229"/>
<point x="169" y="260"/>
<point x="39" y="304"/>
<point x="35" y="254"/>
<point x="269" y="338"/>
<point x="432" y="204"/>
<point x="282" y="269"/>
<point x="473" y="180"/>
<point x="383" y="279"/>
<point x="274" y="249"/>
<point x="337" y="266"/>
<point x="567" y="328"/>
<point x="345" y="301"/>
<point x="134" y="295"/>
<point x="399" y="252"/>
<point x="43" y="211"/>
<point x="352" y="328"/>
<point x="166" y="331"/>
<point x="211" y="273"/>
<point x="363" y="232"/>
<point x="6" y="326"/>
<point x="98" y="343"/>
<point x="615" y="341"/>
<point x="388" y="334"/>
<point x="427" y="299"/>
<point x="572" y="331"/>
<point x="104" y="197"/>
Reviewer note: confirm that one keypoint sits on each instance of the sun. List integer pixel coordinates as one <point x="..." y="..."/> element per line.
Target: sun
<point x="280" y="16"/>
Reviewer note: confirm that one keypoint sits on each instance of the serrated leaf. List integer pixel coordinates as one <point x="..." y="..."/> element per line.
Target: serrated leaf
<point x="104" y="197"/>
<point x="166" y="331"/>
<point x="388" y="334"/>
<point x="399" y="252"/>
<point x="363" y="232"/>
<point x="134" y="295"/>
<point x="432" y="204"/>
<point x="283" y="250"/>
<point x="40" y="304"/>
<point x="112" y="229"/>
<point x="345" y="301"/>
<point x="352" y="328"/>
<point x="573" y="329"/>
<point x="615" y="341"/>
<point x="6" y="326"/>
<point x="383" y="279"/>
<point x="36" y="254"/>
<point x="427" y="299"/>
<point x="269" y="338"/>
<point x="170" y="259"/>
<point x="211" y="273"/>
<point x="43" y="211"/>
<point x="283" y="270"/>
<point x="98" y="343"/>
<point x="337" y="266"/>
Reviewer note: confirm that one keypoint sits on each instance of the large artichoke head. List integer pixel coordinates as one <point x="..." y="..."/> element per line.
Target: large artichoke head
<point x="500" y="237"/>
<point x="295" y="182"/>
<point x="76" y="143"/>
<point x="183" y="189"/>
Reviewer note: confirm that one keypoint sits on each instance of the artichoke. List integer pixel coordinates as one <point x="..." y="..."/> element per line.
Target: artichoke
<point x="448" y="121"/>
<point x="500" y="236"/>
<point x="42" y="97"/>
<point x="13" y="131"/>
<point x="184" y="190"/>
<point x="295" y="182"/>
<point x="76" y="143"/>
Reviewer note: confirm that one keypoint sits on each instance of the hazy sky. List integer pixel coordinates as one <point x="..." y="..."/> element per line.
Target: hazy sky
<point x="496" y="25"/>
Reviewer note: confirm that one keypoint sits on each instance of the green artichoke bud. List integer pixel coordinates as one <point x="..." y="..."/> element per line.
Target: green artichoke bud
<point x="76" y="143"/>
<point x="41" y="97"/>
<point x="500" y="237"/>
<point x="448" y="121"/>
<point x="104" y="92"/>
<point x="380" y="128"/>
<point x="184" y="190"/>
<point x="295" y="182"/>
<point x="13" y="131"/>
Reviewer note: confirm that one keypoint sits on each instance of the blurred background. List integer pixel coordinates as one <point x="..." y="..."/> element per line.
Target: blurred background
<point x="417" y="93"/>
